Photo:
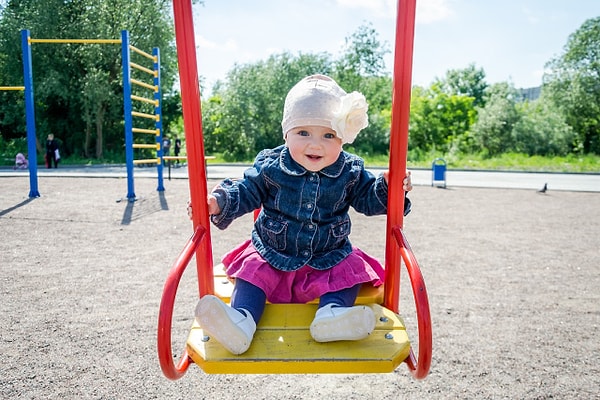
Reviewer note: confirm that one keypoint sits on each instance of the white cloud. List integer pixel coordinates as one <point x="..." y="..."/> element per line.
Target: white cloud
<point x="429" y="11"/>
<point x="273" y="50"/>
<point x="204" y="43"/>
<point x="532" y="18"/>
<point x="230" y="45"/>
<point x="378" y="7"/>
<point x="538" y="74"/>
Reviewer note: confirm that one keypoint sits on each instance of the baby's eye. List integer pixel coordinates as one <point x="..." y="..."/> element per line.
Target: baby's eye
<point x="329" y="136"/>
<point x="303" y="133"/>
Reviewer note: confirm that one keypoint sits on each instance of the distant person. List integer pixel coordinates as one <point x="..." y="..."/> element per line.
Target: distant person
<point x="166" y="146"/>
<point x="177" y="147"/>
<point x="52" y="152"/>
<point x="21" y="161"/>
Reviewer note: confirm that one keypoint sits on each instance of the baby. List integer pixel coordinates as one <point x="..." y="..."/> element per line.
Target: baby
<point x="299" y="248"/>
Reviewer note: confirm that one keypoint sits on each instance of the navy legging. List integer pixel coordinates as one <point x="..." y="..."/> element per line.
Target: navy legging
<point x="252" y="298"/>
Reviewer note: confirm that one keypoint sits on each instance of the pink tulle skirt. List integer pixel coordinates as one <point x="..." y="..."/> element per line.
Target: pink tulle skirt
<point x="304" y="284"/>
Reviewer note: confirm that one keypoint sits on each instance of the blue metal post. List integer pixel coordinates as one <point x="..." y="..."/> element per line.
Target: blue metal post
<point x="127" y="113"/>
<point x="158" y="112"/>
<point x="29" y="114"/>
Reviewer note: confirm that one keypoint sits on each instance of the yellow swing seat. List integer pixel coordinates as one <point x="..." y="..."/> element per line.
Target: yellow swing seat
<point x="282" y="342"/>
<point x="282" y="345"/>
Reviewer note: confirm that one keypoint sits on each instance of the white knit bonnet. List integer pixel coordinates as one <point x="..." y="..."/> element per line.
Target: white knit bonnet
<point x="319" y="100"/>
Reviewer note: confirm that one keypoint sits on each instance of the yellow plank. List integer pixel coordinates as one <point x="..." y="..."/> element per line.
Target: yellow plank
<point x="282" y="344"/>
<point x="173" y="158"/>
<point x="155" y="146"/>
<point x="80" y="41"/>
<point x="147" y="161"/>
<point x="143" y="53"/>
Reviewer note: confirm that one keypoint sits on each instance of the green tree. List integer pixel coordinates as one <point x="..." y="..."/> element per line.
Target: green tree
<point x="573" y="83"/>
<point x="439" y="121"/>
<point x="12" y="108"/>
<point x="362" y="56"/>
<point x="468" y="82"/>
<point x="375" y="138"/>
<point x="492" y="132"/>
<point x="442" y="115"/>
<point x="424" y="131"/>
<point x="361" y="67"/>
<point x="78" y="88"/>
<point x="542" y="130"/>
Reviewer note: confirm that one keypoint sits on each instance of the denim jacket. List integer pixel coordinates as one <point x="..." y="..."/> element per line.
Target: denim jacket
<point x="304" y="218"/>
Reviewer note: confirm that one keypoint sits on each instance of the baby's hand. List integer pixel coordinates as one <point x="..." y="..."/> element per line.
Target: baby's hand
<point x="406" y="184"/>
<point x="189" y="209"/>
<point x="213" y="206"/>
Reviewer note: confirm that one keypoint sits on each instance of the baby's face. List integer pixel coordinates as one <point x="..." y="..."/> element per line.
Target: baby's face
<point x="313" y="147"/>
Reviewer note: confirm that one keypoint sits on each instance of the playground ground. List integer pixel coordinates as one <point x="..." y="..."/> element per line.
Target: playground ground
<point x="513" y="278"/>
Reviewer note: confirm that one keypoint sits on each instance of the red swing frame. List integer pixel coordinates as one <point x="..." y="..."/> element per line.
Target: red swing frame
<point x="397" y="246"/>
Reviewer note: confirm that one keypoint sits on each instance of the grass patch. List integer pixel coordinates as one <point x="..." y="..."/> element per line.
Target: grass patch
<point x="506" y="162"/>
<point x="521" y="162"/>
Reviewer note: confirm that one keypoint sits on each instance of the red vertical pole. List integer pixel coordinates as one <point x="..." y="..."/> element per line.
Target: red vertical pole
<point x="402" y="78"/>
<point x="192" y="122"/>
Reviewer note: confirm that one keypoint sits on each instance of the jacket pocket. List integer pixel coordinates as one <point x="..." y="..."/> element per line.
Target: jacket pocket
<point x="338" y="233"/>
<point x="274" y="233"/>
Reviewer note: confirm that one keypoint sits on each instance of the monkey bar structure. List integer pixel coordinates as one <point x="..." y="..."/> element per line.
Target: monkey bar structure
<point x="129" y="112"/>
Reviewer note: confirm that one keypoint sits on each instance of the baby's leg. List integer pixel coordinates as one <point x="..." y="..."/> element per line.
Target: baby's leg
<point x="337" y="318"/>
<point x="233" y="327"/>
<point x="248" y="297"/>
<point x="341" y="298"/>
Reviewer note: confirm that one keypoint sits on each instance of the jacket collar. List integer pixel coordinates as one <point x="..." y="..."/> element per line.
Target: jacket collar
<point x="291" y="167"/>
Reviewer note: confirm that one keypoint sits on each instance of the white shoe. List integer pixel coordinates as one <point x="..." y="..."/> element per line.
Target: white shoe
<point x="342" y="323"/>
<point x="226" y="325"/>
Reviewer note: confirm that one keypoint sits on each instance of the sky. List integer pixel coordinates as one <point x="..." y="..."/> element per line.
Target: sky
<point x="511" y="40"/>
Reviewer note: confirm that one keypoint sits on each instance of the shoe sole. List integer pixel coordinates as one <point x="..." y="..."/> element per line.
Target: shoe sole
<point x="355" y="324"/>
<point x="212" y="316"/>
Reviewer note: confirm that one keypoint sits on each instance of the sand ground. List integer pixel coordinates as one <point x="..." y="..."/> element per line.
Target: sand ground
<point x="513" y="278"/>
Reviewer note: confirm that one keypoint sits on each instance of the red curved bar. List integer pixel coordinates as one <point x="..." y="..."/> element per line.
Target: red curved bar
<point x="165" y="315"/>
<point x="418" y="367"/>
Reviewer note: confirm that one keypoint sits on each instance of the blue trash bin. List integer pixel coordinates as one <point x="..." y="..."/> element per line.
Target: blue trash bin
<point x="438" y="172"/>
